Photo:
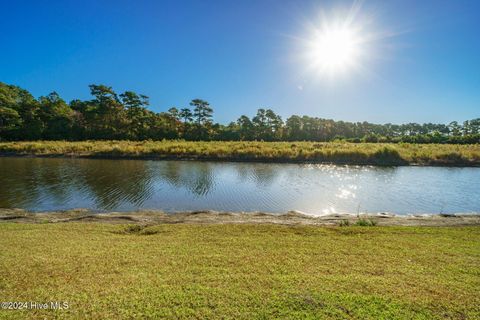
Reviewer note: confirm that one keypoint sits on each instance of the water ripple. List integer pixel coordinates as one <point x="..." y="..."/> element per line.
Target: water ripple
<point x="57" y="184"/>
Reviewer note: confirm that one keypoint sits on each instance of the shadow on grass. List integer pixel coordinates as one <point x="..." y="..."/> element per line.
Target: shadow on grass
<point x="386" y="157"/>
<point x="136" y="229"/>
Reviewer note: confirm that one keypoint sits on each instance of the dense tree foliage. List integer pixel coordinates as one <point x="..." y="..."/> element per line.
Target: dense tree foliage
<point x="109" y="115"/>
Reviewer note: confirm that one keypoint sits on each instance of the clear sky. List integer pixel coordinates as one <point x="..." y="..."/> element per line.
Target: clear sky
<point x="419" y="61"/>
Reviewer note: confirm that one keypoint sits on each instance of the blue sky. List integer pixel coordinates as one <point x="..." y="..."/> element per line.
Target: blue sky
<point x="243" y="55"/>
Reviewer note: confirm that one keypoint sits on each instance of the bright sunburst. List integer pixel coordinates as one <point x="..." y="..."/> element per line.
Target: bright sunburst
<point x="335" y="47"/>
<point x="337" y="44"/>
<point x="334" y="50"/>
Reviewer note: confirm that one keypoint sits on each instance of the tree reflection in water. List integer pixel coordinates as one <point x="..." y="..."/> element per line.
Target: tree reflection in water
<point x="43" y="184"/>
<point x="196" y="177"/>
<point x="28" y="183"/>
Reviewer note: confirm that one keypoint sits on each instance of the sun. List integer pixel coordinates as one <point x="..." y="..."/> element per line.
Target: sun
<point x="338" y="43"/>
<point x="334" y="50"/>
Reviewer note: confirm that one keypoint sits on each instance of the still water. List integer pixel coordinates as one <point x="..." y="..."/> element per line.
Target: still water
<point x="42" y="184"/>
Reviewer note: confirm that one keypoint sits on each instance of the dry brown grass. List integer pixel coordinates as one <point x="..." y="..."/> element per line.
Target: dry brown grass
<point x="330" y="152"/>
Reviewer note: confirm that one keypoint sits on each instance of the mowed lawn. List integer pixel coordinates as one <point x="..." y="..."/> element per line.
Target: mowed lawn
<point x="108" y="271"/>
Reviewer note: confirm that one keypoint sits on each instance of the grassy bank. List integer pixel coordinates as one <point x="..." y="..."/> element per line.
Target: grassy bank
<point x="328" y="152"/>
<point x="113" y="271"/>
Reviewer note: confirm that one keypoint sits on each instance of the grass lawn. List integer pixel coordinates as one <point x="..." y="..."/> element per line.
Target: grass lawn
<point x="330" y="152"/>
<point x="234" y="271"/>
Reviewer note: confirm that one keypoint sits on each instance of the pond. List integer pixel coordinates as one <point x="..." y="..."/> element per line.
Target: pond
<point x="45" y="184"/>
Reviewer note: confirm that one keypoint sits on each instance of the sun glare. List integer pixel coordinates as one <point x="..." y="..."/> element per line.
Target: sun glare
<point x="334" y="50"/>
<point x="338" y="43"/>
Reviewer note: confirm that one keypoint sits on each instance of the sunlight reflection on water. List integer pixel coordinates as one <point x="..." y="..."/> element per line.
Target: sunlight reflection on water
<point x="123" y="185"/>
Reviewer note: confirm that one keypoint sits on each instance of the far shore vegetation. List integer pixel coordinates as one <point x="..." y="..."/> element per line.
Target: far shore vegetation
<point x="125" y="116"/>
<point x="314" y="152"/>
<point x="120" y="125"/>
<point x="240" y="271"/>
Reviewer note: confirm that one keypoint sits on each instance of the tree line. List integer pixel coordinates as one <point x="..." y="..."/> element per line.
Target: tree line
<point x="109" y="115"/>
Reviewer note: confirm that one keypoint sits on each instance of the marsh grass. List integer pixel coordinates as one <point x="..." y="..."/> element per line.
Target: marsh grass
<point x="239" y="271"/>
<point x="365" y="222"/>
<point x="360" y="222"/>
<point x="321" y="152"/>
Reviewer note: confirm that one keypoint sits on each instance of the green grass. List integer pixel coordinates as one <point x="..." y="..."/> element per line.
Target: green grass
<point x="330" y="152"/>
<point x="107" y="271"/>
<point x="366" y="223"/>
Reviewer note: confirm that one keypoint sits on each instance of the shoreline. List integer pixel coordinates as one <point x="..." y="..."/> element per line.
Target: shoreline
<point x="158" y="217"/>
<point x="236" y="160"/>
<point x="342" y="153"/>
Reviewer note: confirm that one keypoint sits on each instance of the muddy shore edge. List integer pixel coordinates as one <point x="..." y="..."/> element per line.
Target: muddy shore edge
<point x="154" y="217"/>
<point x="211" y="158"/>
